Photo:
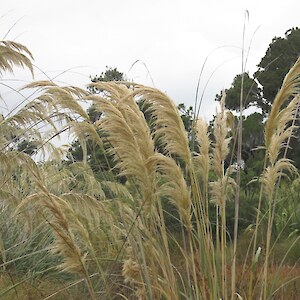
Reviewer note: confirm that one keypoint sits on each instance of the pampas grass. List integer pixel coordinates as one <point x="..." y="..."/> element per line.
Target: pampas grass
<point x="169" y="129"/>
<point x="14" y="54"/>
<point x="114" y="236"/>
<point x="278" y="130"/>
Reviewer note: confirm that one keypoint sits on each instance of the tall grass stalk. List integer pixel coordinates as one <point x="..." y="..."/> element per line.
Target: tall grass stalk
<point x="277" y="130"/>
<point x="239" y="166"/>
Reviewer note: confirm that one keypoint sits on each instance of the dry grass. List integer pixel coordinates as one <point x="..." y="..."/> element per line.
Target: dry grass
<point x="112" y="239"/>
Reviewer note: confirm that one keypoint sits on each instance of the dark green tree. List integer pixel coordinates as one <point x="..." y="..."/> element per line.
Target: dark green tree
<point x="27" y="146"/>
<point x="253" y="137"/>
<point x="252" y="95"/>
<point x="187" y="117"/>
<point x="261" y="90"/>
<point x="253" y="131"/>
<point x="110" y="74"/>
<point x="281" y="54"/>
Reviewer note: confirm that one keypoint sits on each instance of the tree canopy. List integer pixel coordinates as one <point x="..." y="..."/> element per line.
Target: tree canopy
<point x="251" y="93"/>
<point x="260" y="89"/>
<point x="110" y="74"/>
<point x="279" y="58"/>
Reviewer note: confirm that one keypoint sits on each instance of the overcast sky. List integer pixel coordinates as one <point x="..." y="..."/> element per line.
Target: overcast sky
<point x="172" y="38"/>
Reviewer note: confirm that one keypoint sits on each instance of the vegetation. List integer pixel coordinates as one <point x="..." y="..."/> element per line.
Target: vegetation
<point x="143" y="204"/>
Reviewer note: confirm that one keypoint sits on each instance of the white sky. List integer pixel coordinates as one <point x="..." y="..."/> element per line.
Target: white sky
<point x="172" y="38"/>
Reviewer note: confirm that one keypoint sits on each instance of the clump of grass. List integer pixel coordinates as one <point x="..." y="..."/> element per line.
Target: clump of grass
<point x="115" y="237"/>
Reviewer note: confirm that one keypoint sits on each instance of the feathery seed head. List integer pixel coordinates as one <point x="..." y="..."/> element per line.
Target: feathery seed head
<point x="222" y="188"/>
<point x="14" y="54"/>
<point x="221" y="145"/>
<point x="290" y="88"/>
<point x="272" y="174"/>
<point x="203" y="158"/>
<point x="128" y="135"/>
<point x="131" y="271"/>
<point x="175" y="187"/>
<point x="169" y="128"/>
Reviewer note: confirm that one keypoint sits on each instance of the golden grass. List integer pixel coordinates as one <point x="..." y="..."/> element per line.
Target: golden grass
<point x="114" y="237"/>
